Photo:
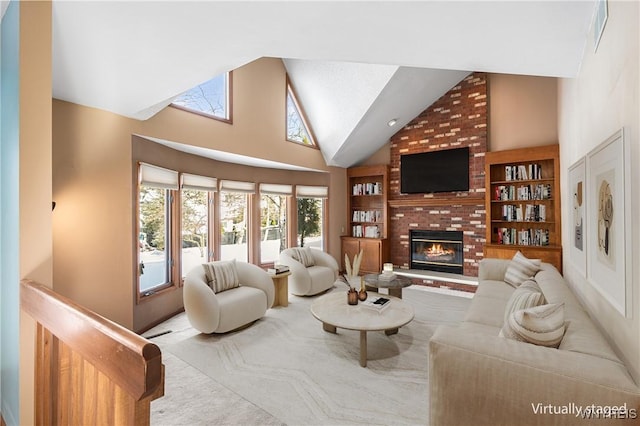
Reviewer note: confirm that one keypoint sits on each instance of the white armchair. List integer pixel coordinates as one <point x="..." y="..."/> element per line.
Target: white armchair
<point x="210" y="312"/>
<point x="313" y="279"/>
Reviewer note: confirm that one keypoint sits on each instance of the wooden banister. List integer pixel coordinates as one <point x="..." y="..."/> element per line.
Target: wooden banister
<point x="89" y="370"/>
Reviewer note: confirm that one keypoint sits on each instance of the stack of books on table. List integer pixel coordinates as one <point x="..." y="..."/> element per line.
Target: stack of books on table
<point x="376" y="303"/>
<point x="280" y="269"/>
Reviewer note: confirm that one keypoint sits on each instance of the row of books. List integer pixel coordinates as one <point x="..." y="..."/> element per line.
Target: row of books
<point x="530" y="213"/>
<point x="524" y="237"/>
<point x="371" y="188"/>
<point x="522" y="172"/>
<point x="368" y="231"/>
<point x="367" y="215"/>
<point x="278" y="269"/>
<point x="524" y="192"/>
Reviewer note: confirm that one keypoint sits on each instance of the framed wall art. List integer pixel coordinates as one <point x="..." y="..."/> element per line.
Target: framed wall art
<point x="608" y="222"/>
<point x="578" y="220"/>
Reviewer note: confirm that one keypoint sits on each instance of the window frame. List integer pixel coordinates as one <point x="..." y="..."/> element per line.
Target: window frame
<point x="229" y="103"/>
<point x="303" y="116"/>
<point x="210" y="230"/>
<point x="171" y="211"/>
<point x="287" y="233"/>
<point x="324" y="205"/>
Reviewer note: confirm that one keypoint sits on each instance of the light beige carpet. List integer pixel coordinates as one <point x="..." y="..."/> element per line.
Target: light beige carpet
<point x="284" y="369"/>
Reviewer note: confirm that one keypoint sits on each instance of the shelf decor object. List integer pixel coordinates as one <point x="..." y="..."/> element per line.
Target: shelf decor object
<point x="608" y="213"/>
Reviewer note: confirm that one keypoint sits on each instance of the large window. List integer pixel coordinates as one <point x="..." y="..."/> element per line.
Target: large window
<point x="154" y="237"/>
<point x="298" y="129"/>
<point x="234" y="219"/>
<point x="196" y="201"/>
<point x="310" y="208"/>
<point x="179" y="229"/>
<point x="211" y="98"/>
<point x="273" y="220"/>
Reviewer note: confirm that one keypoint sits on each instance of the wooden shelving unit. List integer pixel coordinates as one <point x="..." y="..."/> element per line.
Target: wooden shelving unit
<point x="367" y="197"/>
<point x="523" y="204"/>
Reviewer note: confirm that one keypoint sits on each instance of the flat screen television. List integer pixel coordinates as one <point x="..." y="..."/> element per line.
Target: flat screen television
<point x="435" y="171"/>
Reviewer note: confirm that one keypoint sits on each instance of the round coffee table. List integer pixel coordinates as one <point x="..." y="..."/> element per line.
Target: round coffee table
<point x="334" y="312"/>
<point x="395" y="285"/>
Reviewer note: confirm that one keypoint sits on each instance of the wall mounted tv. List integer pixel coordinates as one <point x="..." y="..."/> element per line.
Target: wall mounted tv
<point x="435" y="171"/>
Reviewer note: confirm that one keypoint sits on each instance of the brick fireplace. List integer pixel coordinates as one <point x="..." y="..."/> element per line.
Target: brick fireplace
<point x="457" y="119"/>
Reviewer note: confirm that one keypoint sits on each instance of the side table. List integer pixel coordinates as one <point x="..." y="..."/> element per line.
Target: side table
<point x="394" y="285"/>
<point x="281" y="284"/>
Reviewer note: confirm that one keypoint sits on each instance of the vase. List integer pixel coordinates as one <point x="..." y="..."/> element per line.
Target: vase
<point x="362" y="295"/>
<point x="352" y="297"/>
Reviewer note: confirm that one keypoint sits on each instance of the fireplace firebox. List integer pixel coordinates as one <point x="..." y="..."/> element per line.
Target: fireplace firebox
<point x="440" y="251"/>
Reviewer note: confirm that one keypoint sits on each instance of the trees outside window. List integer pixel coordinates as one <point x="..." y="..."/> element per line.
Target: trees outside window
<point x="233" y="226"/>
<point x="297" y="128"/>
<point x="211" y="98"/>
<point x="273" y="226"/>
<point x="310" y="222"/>
<point x="195" y="229"/>
<point x="153" y="239"/>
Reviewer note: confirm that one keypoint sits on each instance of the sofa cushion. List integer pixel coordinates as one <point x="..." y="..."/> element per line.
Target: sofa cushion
<point x="221" y="275"/>
<point x="526" y="296"/>
<point x="496" y="289"/>
<point x="541" y="325"/>
<point x="303" y="255"/>
<point x="520" y="269"/>
<point x="486" y="310"/>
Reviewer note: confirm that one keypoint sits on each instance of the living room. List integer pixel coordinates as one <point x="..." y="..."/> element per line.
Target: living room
<point x="93" y="182"/>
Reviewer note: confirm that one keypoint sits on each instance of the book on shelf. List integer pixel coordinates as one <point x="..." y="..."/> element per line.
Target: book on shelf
<point x="280" y="269"/>
<point x="376" y="303"/>
<point x="522" y="172"/>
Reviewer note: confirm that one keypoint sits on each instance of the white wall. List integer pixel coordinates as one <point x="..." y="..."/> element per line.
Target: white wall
<point x="602" y="99"/>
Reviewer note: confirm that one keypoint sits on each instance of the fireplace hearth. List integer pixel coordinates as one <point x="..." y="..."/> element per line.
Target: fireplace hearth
<point x="440" y="251"/>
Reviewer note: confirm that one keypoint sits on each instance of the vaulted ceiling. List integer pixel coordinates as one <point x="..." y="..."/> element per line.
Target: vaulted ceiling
<point x="355" y="65"/>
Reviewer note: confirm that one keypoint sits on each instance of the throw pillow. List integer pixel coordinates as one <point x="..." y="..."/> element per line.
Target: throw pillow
<point x="221" y="275"/>
<point x="520" y="269"/>
<point x="303" y="255"/>
<point x="526" y="296"/>
<point x="541" y="325"/>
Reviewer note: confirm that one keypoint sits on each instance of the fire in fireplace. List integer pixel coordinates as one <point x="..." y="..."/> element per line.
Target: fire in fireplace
<point x="436" y="250"/>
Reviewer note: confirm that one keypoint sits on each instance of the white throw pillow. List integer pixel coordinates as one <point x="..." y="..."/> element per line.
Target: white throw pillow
<point x="526" y="296"/>
<point x="520" y="269"/>
<point x="222" y="275"/>
<point x="541" y="325"/>
<point x="303" y="255"/>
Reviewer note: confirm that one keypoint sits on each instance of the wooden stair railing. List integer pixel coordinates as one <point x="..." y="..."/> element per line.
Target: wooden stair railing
<point x="89" y="370"/>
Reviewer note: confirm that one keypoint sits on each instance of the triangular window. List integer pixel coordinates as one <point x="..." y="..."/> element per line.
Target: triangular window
<point x="211" y="98"/>
<point x="297" y="128"/>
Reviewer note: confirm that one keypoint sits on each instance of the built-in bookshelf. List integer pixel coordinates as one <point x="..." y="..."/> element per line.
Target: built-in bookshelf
<point x="367" y="188"/>
<point x="523" y="203"/>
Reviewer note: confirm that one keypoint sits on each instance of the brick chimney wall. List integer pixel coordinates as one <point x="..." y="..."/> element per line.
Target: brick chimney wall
<point x="457" y="119"/>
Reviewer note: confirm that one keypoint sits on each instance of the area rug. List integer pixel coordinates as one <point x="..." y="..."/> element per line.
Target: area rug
<point x="284" y="369"/>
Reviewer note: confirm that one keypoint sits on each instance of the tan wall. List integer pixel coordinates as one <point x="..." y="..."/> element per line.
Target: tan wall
<point x="602" y="99"/>
<point x="35" y="176"/>
<point x="522" y="111"/>
<point x="93" y="164"/>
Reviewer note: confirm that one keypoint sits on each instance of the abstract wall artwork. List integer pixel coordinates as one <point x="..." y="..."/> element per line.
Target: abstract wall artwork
<point x="608" y="244"/>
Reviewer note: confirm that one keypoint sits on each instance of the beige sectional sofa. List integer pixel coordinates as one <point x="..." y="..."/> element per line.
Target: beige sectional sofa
<point x="477" y="377"/>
